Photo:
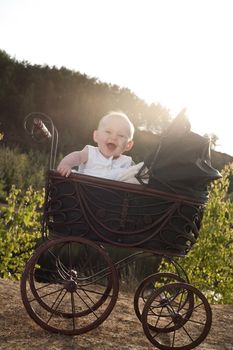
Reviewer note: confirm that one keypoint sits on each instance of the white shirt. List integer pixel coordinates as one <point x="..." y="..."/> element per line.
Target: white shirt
<point x="100" y="166"/>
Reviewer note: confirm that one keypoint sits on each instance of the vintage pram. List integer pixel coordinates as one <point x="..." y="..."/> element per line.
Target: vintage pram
<point x="70" y="285"/>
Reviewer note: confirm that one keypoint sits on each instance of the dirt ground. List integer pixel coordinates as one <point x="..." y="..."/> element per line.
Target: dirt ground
<point x="121" y="330"/>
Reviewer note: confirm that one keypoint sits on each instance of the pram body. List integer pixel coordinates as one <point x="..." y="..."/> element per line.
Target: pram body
<point x="70" y="285"/>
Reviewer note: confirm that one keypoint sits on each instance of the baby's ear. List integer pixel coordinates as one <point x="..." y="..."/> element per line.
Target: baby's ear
<point x="129" y="145"/>
<point x="95" y="136"/>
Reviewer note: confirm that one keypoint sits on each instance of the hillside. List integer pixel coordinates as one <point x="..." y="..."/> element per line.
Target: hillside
<point x="121" y="331"/>
<point x="75" y="102"/>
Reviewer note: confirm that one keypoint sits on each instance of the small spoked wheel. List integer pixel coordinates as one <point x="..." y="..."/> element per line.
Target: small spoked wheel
<point x="69" y="286"/>
<point x="148" y="286"/>
<point x="188" y="322"/>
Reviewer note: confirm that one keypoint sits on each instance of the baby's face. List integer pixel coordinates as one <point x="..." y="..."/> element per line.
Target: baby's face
<point x="113" y="137"/>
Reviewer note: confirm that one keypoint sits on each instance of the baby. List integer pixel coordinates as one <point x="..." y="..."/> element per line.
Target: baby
<point x="113" y="137"/>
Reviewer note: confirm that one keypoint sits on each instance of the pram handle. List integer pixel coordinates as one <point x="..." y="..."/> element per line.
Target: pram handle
<point x="40" y="127"/>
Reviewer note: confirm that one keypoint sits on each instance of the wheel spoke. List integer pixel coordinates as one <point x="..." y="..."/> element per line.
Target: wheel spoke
<point x="76" y="300"/>
<point x="47" y="294"/>
<point x="73" y="309"/>
<point x="188" y="334"/>
<point x="176" y="327"/>
<point x="88" y="306"/>
<point x="92" y="291"/>
<point x="53" y="308"/>
<point x="173" y="339"/>
<point x="157" y="280"/>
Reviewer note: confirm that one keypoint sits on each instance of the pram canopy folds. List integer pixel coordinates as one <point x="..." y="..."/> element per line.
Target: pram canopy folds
<point x="180" y="162"/>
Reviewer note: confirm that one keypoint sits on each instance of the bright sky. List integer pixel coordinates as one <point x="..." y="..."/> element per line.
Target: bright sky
<point x="174" y="52"/>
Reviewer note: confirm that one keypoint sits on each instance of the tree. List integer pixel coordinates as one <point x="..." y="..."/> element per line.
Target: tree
<point x="74" y="101"/>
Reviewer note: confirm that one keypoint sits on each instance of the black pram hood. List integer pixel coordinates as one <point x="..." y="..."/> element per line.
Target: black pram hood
<point x="181" y="162"/>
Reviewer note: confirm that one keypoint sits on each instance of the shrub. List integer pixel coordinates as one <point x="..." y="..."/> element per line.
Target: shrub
<point x="21" y="169"/>
<point x="19" y="230"/>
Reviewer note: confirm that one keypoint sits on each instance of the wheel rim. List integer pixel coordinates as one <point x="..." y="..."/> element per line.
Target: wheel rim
<point x="189" y="324"/>
<point x="155" y="281"/>
<point x="76" y="295"/>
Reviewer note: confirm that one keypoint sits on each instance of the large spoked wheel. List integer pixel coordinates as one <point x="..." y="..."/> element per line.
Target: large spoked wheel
<point x="148" y="286"/>
<point x="189" y="324"/>
<point x="69" y="286"/>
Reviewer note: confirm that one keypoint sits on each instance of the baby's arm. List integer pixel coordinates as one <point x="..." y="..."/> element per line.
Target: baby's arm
<point x="71" y="160"/>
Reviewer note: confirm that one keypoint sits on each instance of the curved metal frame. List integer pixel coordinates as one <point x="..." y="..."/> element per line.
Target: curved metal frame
<point x="40" y="127"/>
<point x="84" y="202"/>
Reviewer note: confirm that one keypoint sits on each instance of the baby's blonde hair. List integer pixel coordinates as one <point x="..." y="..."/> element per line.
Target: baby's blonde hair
<point x="122" y="115"/>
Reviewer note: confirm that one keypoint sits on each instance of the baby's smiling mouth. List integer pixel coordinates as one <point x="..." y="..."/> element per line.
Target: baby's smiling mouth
<point x="111" y="146"/>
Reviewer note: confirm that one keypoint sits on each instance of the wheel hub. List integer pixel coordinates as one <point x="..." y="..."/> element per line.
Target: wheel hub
<point x="164" y="302"/>
<point x="73" y="273"/>
<point x="71" y="286"/>
<point x="177" y="318"/>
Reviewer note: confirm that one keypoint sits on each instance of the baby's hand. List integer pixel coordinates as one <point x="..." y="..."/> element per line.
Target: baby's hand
<point x="64" y="170"/>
